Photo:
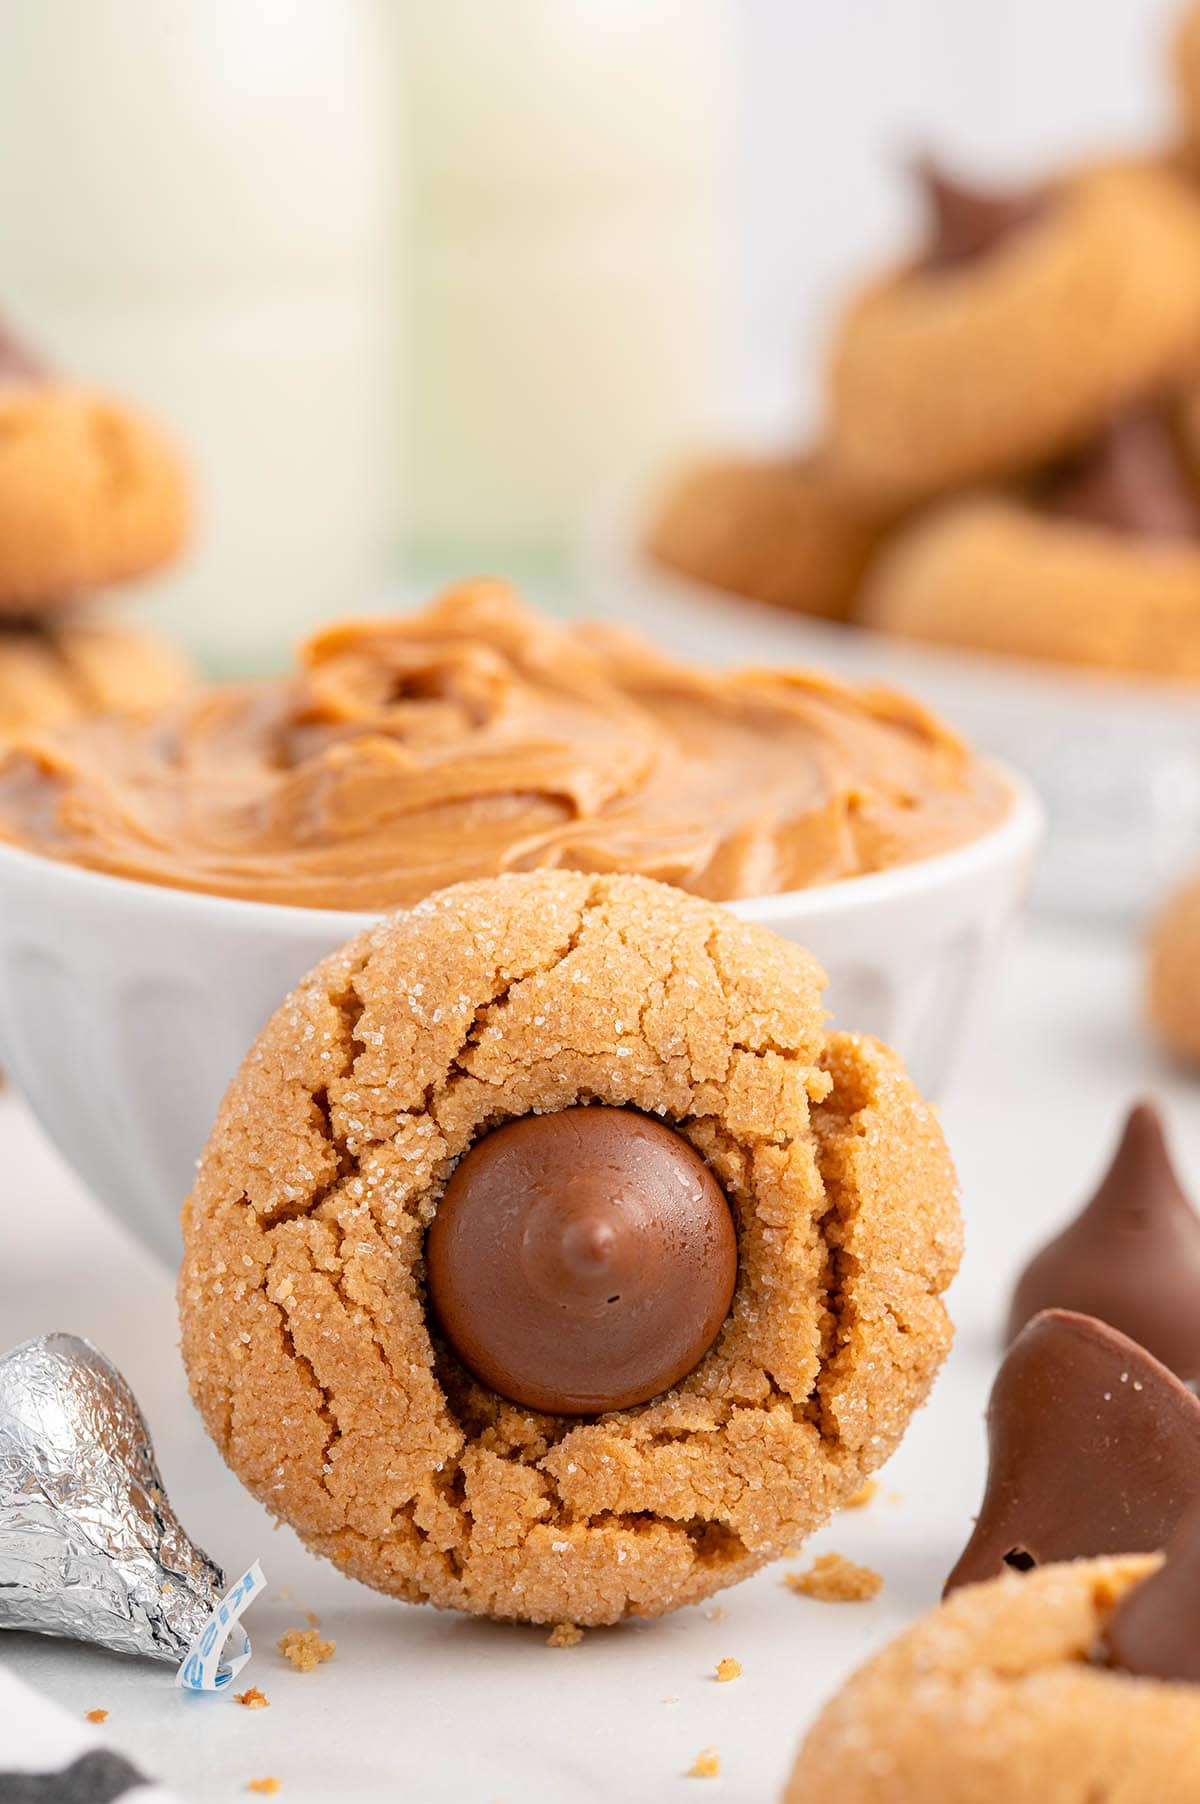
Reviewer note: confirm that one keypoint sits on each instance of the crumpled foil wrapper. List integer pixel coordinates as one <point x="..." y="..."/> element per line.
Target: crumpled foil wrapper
<point x="89" y="1546"/>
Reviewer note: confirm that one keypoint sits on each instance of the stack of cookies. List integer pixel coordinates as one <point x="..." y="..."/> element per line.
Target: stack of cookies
<point x="1011" y="453"/>
<point x="91" y="495"/>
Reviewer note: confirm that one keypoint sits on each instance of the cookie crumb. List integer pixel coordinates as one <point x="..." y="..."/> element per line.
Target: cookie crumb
<point x="564" y="1634"/>
<point x="706" y="1765"/>
<point x="284" y="1593"/>
<point x="836" y="1580"/>
<point x="312" y="1619"/>
<point x="96" y="1716"/>
<point x="863" y="1495"/>
<point x="253" y="1699"/>
<point x="305" y="1648"/>
<point x="716" y="1614"/>
<point x="266" y="1788"/>
<point x="728" y="1669"/>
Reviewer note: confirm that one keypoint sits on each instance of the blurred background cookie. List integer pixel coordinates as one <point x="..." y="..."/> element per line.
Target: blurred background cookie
<point x="1185" y="68"/>
<point x="1173" y="976"/>
<point x="1008" y="574"/>
<point x="91" y="494"/>
<point x="1016" y="342"/>
<point x="780" y="530"/>
<point x="70" y="667"/>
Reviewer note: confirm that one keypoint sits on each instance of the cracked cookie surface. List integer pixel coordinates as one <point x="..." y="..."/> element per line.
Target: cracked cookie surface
<point x="995" y="1698"/>
<point x="311" y="1353"/>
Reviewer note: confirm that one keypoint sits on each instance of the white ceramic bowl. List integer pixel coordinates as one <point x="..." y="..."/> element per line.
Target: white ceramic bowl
<point x="125" y="1008"/>
<point x="1116" y="759"/>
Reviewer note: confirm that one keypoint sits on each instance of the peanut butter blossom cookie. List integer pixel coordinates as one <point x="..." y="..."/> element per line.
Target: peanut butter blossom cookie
<point x="90" y="492"/>
<point x="1095" y="561"/>
<point x="1029" y="321"/>
<point x="779" y="530"/>
<point x="551" y="1260"/>
<point x="1073" y="1684"/>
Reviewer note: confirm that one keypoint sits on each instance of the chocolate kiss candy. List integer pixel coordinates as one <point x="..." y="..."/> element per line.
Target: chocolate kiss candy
<point x="966" y="223"/>
<point x="1131" y="480"/>
<point x="582" y="1261"/>
<point x="1094" y="1448"/>
<point x="89" y="1546"/>
<point x="17" y="362"/>
<point x="1132" y="1257"/>
<point x="1155" y="1629"/>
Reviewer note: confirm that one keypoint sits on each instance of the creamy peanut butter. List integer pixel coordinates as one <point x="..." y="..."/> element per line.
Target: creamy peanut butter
<point x="405" y="754"/>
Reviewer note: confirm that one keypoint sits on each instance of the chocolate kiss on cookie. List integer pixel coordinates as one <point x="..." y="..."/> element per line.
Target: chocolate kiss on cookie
<point x="17" y="362"/>
<point x="581" y="1261"/>
<point x="1131" y="479"/>
<point x="1155" y="1629"/>
<point x="1131" y="1257"/>
<point x="966" y="223"/>
<point x="1094" y="1448"/>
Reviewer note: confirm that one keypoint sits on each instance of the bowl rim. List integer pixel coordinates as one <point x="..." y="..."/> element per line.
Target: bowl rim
<point x="1020" y="831"/>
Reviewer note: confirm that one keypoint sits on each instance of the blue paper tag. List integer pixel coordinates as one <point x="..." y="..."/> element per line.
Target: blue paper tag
<point x="203" y="1668"/>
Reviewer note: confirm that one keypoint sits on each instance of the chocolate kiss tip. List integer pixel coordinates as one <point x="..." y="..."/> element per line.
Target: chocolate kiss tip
<point x="17" y="362"/>
<point x="967" y="222"/>
<point x="581" y="1261"/>
<point x="1093" y="1448"/>
<point x="1131" y="1256"/>
<point x="1154" y="1632"/>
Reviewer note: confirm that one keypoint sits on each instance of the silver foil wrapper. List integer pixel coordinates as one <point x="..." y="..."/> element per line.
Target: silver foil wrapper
<point x="89" y="1545"/>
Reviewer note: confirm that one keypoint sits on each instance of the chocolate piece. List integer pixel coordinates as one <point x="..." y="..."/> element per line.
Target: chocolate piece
<point x="1131" y="1257"/>
<point x="966" y="224"/>
<point x="17" y="362"/>
<point x="1155" y="1629"/>
<point x="582" y="1261"/>
<point x="1131" y="479"/>
<point x="1094" y="1448"/>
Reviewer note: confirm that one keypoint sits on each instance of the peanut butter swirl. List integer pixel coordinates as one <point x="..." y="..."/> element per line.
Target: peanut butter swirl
<point x="409" y="753"/>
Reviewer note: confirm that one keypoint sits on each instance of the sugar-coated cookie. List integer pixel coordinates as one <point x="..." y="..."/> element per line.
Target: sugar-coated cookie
<point x="944" y="375"/>
<point x="997" y="573"/>
<point x="1173" y="976"/>
<point x="71" y="667"/>
<point x="337" y="1393"/>
<point x="1002" y="1696"/>
<point x="90" y="494"/>
<point x="779" y="530"/>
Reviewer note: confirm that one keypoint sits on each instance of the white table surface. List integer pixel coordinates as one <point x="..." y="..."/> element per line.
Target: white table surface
<point x="426" y="1707"/>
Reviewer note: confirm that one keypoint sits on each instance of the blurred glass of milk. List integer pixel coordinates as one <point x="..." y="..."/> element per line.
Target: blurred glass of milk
<point x="197" y="199"/>
<point x="570" y="268"/>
